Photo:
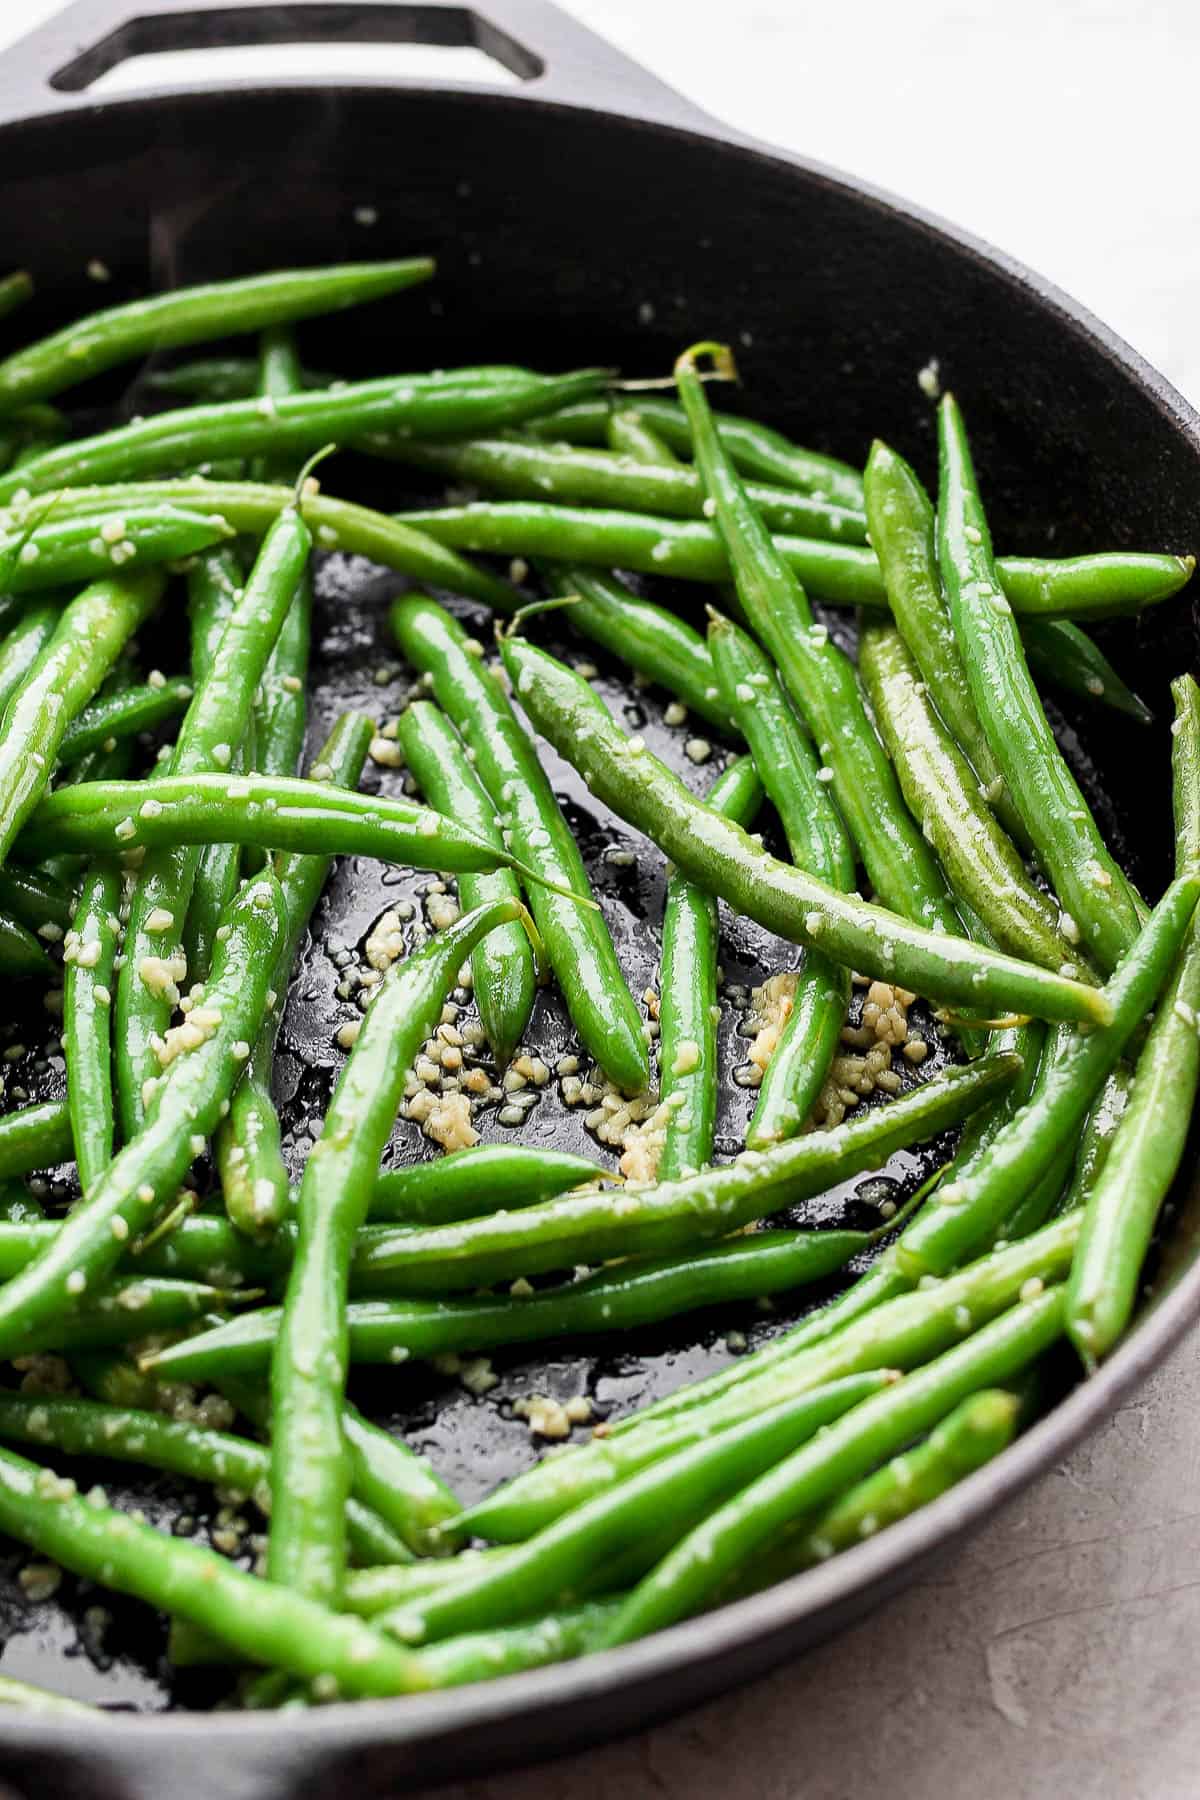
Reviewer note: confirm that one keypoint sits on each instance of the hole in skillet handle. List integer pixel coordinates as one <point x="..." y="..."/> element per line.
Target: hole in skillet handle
<point x="266" y="44"/>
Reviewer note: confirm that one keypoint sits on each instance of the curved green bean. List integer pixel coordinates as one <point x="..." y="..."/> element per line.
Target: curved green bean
<point x="35" y="1137"/>
<point x="88" y="956"/>
<point x="465" y="1183"/>
<point x="627" y="432"/>
<point x="114" y="717"/>
<point x="26" y="641"/>
<point x="1062" y="654"/>
<point x="64" y="552"/>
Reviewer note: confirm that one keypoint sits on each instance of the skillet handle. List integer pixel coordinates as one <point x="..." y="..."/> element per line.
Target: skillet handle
<point x="49" y="71"/>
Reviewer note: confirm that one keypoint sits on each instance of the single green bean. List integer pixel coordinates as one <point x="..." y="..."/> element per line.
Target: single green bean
<point x="125" y="714"/>
<point x="189" y="315"/>
<point x="577" y="941"/>
<point x="144" y="1177"/>
<point x="214" y="586"/>
<point x="719" y="857"/>
<point x="687" y="983"/>
<point x="538" y="471"/>
<point x="819" y="678"/>
<point x="755" y="448"/>
<point x="281" y="713"/>
<point x="627" y="432"/>
<point x="504" y="978"/>
<point x="486" y="1655"/>
<point x="25" y="643"/>
<point x="309" y="1471"/>
<point x="817" y="841"/>
<point x="1112" y="583"/>
<point x="465" y="1183"/>
<point x="65" y="552"/>
<point x="21" y="955"/>
<point x="88" y="955"/>
<point x="90" y="634"/>
<point x="1095" y="1139"/>
<point x="125" y="1309"/>
<point x="1062" y="654"/>
<point x="295" y="426"/>
<point x="980" y="861"/>
<point x="35" y="1137"/>
<point x="257" y="1619"/>
<point x="15" y="291"/>
<point x="254" y="1179"/>
<point x="844" y="1453"/>
<point x="1094" y="892"/>
<point x="219" y="378"/>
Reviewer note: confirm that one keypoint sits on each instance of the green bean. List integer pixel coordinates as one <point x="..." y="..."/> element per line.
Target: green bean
<point x="89" y="954"/>
<point x="15" y="291"/>
<point x="626" y="431"/>
<point x="486" y="1655"/>
<point x="309" y="1473"/>
<point x="254" y="1179"/>
<point x="754" y="448"/>
<point x="281" y="714"/>
<point x="251" y="507"/>
<point x="901" y="1333"/>
<point x="214" y="584"/>
<point x="980" y="861"/>
<point x="719" y="857"/>
<point x="975" y="1432"/>
<point x="38" y="899"/>
<point x="688" y="1009"/>
<point x="465" y="1183"/>
<point x="817" y="840"/>
<point x="89" y="636"/>
<point x="143" y="1178"/>
<point x="125" y="714"/>
<point x="844" y="1453"/>
<point x="640" y="1293"/>
<point x="1094" y="893"/>
<point x="21" y="956"/>
<point x="666" y="1496"/>
<point x="592" y="1226"/>
<point x="1147" y="1145"/>
<point x="219" y="378"/>
<point x="189" y="315"/>
<point x="64" y="552"/>
<point x="35" y="1137"/>
<point x="652" y="641"/>
<point x="1102" y="586"/>
<point x="374" y="1592"/>
<point x="295" y="426"/>
<point x="577" y="941"/>
<point x="212" y="729"/>
<point x="902" y="534"/>
<point x="535" y="471"/>
<point x="278" y="812"/>
<point x="25" y="643"/>
<point x="125" y="1308"/>
<point x="504" y="978"/>
<point x="257" y="1619"/>
<point x="819" y="678"/>
<point x="1096" y="1136"/>
<point x="1062" y="654"/>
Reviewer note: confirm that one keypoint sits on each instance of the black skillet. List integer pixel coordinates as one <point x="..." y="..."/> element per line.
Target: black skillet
<point x="587" y="213"/>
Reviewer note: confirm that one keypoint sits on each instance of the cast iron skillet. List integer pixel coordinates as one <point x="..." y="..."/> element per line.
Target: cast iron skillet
<point x="588" y="213"/>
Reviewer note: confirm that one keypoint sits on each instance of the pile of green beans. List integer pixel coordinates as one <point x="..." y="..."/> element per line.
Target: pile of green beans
<point x="162" y="857"/>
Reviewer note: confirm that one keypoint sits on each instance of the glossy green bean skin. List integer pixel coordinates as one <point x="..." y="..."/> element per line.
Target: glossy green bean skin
<point x="219" y="378"/>
<point x="21" y="955"/>
<point x="256" y="1619"/>
<point x="1062" y="654"/>
<point x="281" y="714"/>
<point x="643" y="1292"/>
<point x="1147" y="1146"/>
<point x="1091" y="887"/>
<point x="309" y="1472"/>
<point x="25" y="642"/>
<point x="577" y="940"/>
<point x="140" y="1181"/>
<point x="978" y="1429"/>
<point x="720" y="857"/>
<point x="296" y="425"/>
<point x="486" y="1655"/>
<point x="590" y="1227"/>
<point x="36" y="899"/>
<point x="626" y="431"/>
<point x="653" y="642"/>
<point x="70" y="551"/>
<point x="844" y="1453"/>
<point x="90" y="949"/>
<point x="214" y="583"/>
<point x="189" y="315"/>
<point x="278" y="812"/>
<point x="821" y="681"/>
<point x="979" y="859"/>
<point x="16" y="290"/>
<point x="34" y="1137"/>
<point x="124" y="1309"/>
<point x="251" y="507"/>
<point x="903" y="537"/>
<point x="902" y="1333"/>
<point x="123" y="715"/>
<point x="91" y="633"/>
<point x="687" y="985"/>
<point x="254" y="1179"/>
<point x="1110" y="584"/>
<point x="755" y="449"/>
<point x="818" y="843"/>
<point x="466" y="1183"/>
<point x="209" y="736"/>
<point x="1095" y="1140"/>
<point x="504" y="978"/>
<point x="577" y="477"/>
<point x="663" y="1498"/>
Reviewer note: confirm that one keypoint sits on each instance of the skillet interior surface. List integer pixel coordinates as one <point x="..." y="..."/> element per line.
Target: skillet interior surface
<point x="835" y="301"/>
